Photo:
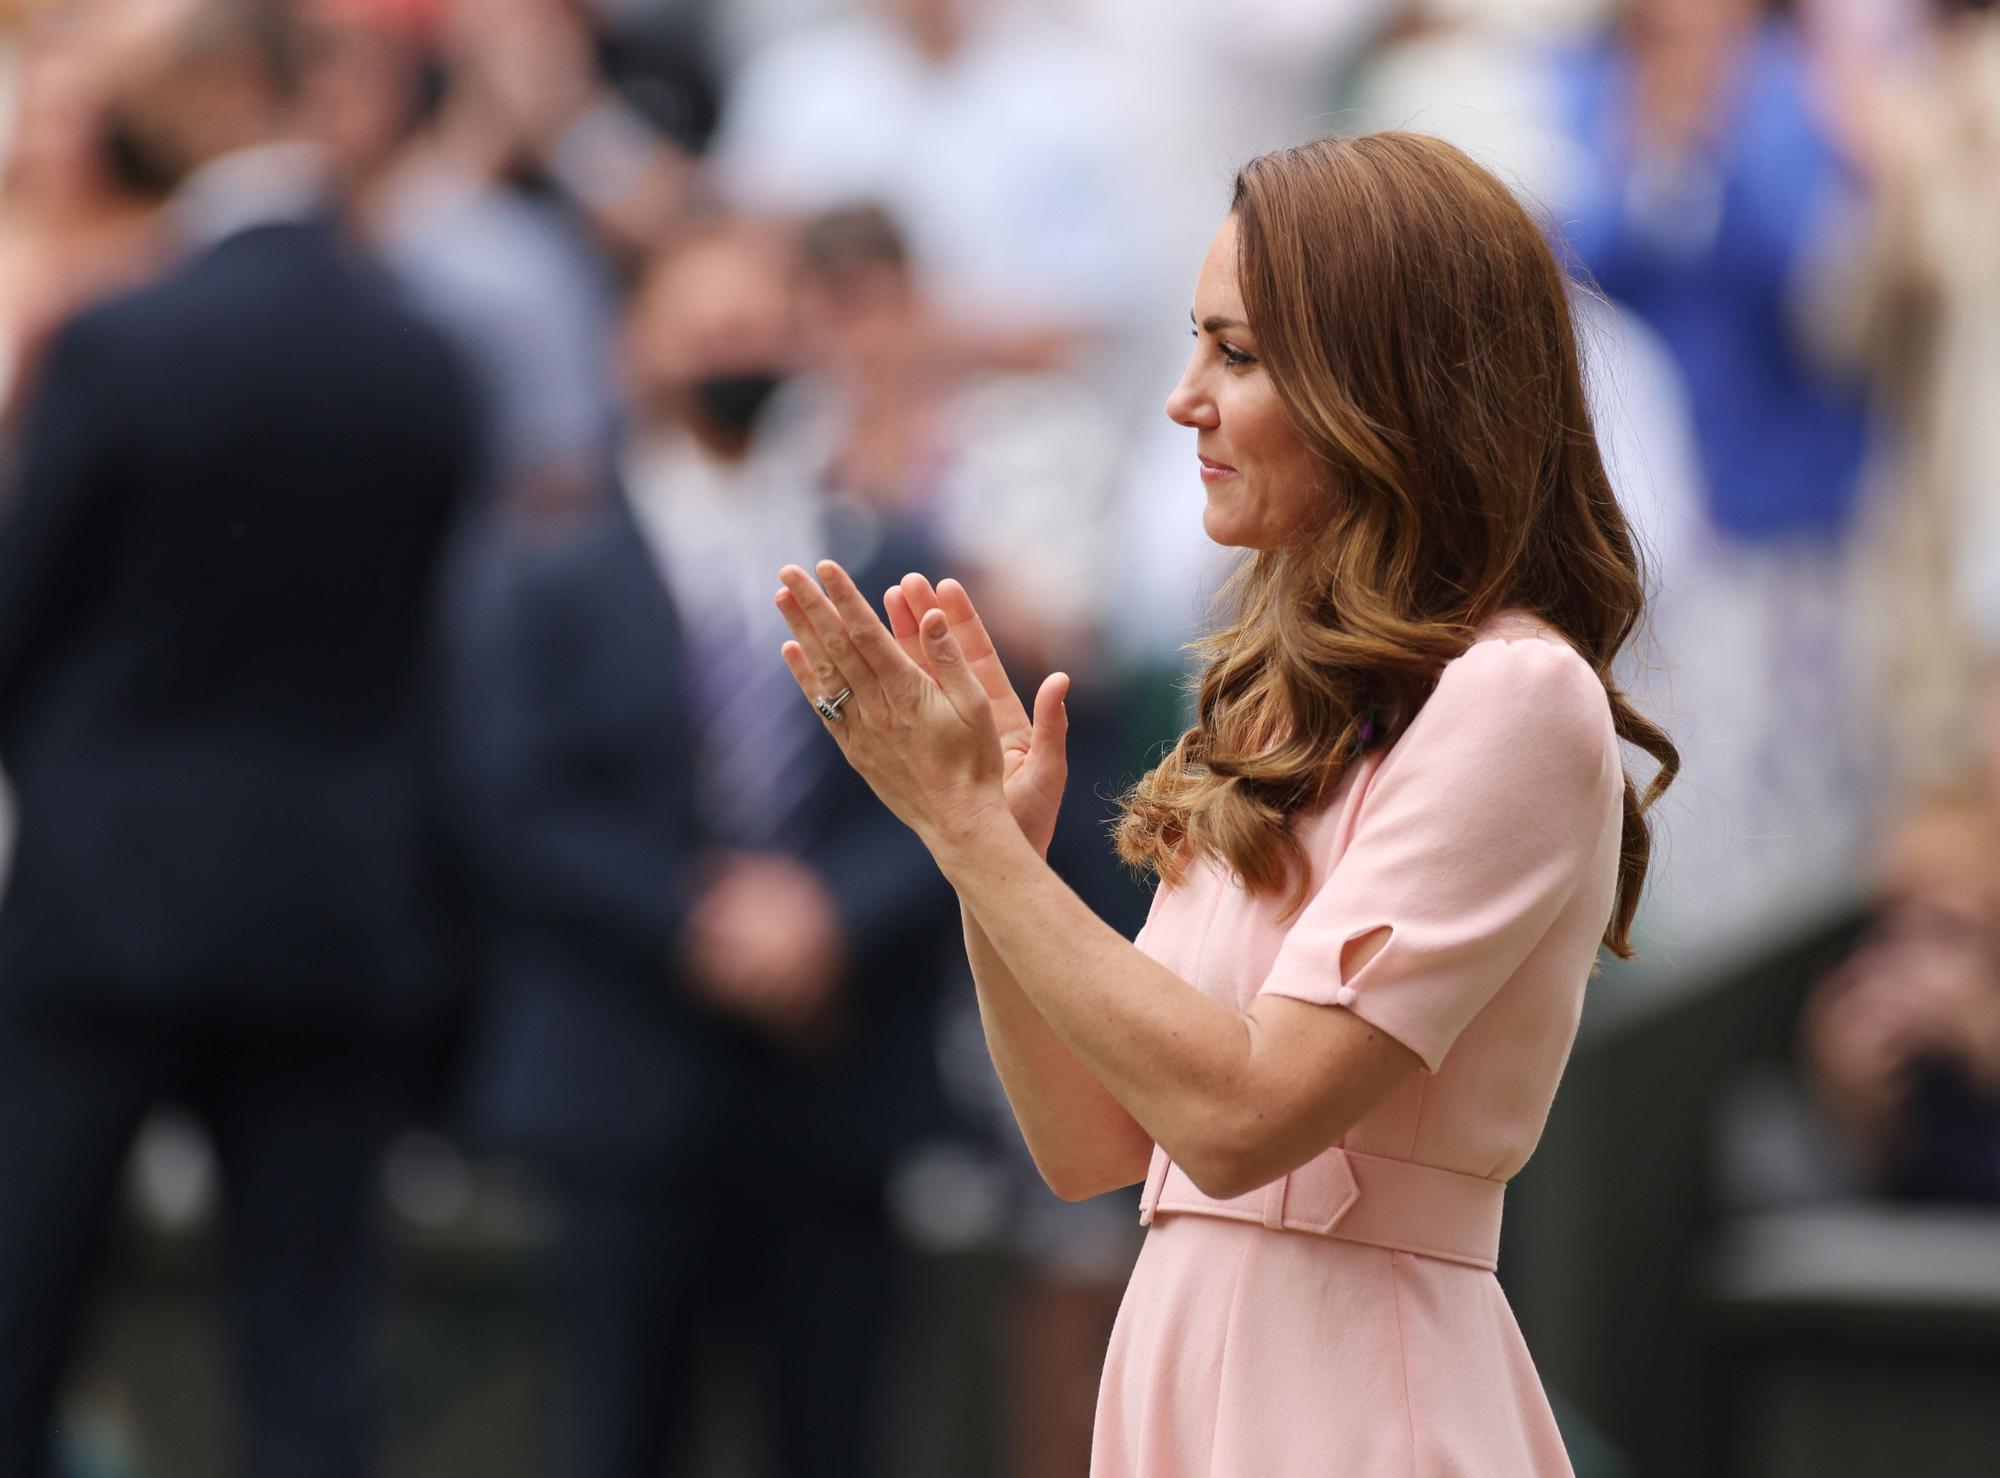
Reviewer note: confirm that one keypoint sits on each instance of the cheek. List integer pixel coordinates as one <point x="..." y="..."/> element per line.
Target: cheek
<point x="1253" y="423"/>
<point x="1261" y="436"/>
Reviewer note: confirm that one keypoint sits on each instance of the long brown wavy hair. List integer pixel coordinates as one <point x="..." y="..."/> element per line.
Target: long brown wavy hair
<point x="1416" y="325"/>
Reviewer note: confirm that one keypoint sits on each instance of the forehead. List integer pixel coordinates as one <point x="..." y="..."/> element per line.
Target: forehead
<point x="1215" y="290"/>
<point x="721" y="277"/>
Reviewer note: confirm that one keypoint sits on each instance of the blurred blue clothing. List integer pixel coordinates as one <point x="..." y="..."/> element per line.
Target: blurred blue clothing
<point x="1708" y="254"/>
<point x="577" y="747"/>
<point x="218" y="570"/>
<point x="704" y="1171"/>
<point x="216" y="587"/>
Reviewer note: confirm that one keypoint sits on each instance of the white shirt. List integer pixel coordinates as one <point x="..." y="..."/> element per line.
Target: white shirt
<point x="285" y="181"/>
<point x="720" y="531"/>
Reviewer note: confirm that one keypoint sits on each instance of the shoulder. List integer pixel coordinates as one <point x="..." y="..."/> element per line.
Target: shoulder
<point x="276" y="285"/>
<point x="1520" y="698"/>
<point x="1523" y="670"/>
<point x="79" y="349"/>
<point x="101" y="333"/>
<point x="95" y="365"/>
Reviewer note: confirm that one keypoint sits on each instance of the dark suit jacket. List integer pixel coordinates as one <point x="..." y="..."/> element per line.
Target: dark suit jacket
<point x="216" y="579"/>
<point x="577" y="729"/>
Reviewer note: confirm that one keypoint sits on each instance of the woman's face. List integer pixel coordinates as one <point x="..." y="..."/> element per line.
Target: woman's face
<point x="1263" y="482"/>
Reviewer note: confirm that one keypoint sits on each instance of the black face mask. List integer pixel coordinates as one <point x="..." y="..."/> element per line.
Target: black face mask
<point x="732" y="403"/>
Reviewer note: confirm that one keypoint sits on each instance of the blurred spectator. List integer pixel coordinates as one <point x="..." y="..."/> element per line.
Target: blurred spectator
<point x="1705" y="196"/>
<point x="1012" y="472"/>
<point x="1493" y="88"/>
<point x="1486" y="77"/>
<point x="535" y="72"/>
<point x="1923" y="123"/>
<point x="1901" y="1043"/>
<point x="232" y="498"/>
<point x="1192" y="90"/>
<point x="743" y="27"/>
<point x="77" y="207"/>
<point x="519" y="288"/>
<point x="1706" y="207"/>
<point x="992" y="139"/>
<point x="714" y="957"/>
<point x="660" y="56"/>
<point x="1196" y="89"/>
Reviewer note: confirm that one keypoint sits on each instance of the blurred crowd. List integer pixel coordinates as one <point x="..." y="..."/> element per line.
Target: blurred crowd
<point x="406" y="405"/>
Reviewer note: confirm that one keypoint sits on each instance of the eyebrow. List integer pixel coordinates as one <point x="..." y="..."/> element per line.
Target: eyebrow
<point x="1215" y="323"/>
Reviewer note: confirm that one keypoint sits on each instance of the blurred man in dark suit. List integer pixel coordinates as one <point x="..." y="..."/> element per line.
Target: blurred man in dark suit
<point x="216" y="574"/>
<point x="714" y="965"/>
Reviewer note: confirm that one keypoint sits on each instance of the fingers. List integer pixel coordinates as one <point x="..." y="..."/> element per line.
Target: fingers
<point x="957" y="606"/>
<point x="917" y="591"/>
<point x="898" y="676"/>
<point x="902" y="620"/>
<point x="1048" y="749"/>
<point x="810" y="614"/>
<point x="821" y="675"/>
<point x="906" y="604"/>
<point x="903" y="625"/>
<point x="1051" y="713"/>
<point x="961" y="688"/>
<point x="978" y="647"/>
<point x="806" y="674"/>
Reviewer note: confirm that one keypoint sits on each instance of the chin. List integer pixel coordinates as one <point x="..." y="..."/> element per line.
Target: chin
<point x="1227" y="531"/>
<point x="1217" y="523"/>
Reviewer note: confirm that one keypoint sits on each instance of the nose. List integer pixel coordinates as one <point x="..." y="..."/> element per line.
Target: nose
<point x="1189" y="404"/>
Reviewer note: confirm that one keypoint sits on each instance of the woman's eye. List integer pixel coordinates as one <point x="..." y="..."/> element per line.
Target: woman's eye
<point x="1232" y="356"/>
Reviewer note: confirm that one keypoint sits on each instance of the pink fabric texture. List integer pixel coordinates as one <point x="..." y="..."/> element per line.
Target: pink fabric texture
<point x="1346" y="1319"/>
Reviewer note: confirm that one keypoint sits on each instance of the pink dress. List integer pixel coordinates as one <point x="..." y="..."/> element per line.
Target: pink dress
<point x="1345" y="1321"/>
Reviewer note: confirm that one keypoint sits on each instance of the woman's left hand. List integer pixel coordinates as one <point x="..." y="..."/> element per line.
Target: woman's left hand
<point x="926" y="746"/>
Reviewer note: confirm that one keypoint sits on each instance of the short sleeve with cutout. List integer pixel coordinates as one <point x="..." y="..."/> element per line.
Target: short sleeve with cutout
<point x="1479" y="825"/>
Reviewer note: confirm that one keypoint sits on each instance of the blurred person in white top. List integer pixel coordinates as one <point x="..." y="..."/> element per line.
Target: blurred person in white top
<point x="1009" y="470"/>
<point x="1201" y="88"/>
<point x="423" y="161"/>
<point x="990" y="131"/>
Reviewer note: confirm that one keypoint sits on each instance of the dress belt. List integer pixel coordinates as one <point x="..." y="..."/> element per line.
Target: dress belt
<point x="1356" y="1197"/>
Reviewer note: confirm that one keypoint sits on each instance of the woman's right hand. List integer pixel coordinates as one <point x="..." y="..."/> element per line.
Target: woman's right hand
<point x="1033" y="748"/>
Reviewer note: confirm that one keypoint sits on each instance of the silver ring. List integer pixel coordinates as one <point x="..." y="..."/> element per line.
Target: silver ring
<point x="829" y="708"/>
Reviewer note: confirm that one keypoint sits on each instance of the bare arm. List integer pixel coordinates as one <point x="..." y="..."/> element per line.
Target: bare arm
<point x="1082" y="1139"/>
<point x="1236" y="1098"/>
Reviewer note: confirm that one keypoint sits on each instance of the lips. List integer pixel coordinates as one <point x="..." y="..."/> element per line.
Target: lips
<point x="1212" y="470"/>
